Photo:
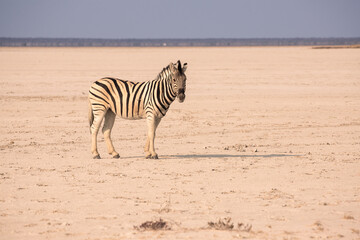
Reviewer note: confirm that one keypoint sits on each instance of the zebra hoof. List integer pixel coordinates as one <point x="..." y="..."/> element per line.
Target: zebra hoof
<point x="152" y="157"/>
<point x="116" y="156"/>
<point x="97" y="157"/>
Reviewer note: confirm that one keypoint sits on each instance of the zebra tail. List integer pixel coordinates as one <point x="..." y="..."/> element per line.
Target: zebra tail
<point x="91" y="116"/>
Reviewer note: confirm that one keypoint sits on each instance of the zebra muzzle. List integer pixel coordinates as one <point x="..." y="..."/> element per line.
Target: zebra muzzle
<point x="181" y="95"/>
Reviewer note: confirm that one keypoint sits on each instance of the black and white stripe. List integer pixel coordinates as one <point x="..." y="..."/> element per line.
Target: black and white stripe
<point x="151" y="100"/>
<point x="132" y="100"/>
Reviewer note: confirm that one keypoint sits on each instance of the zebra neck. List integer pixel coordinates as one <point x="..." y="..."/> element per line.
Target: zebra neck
<point x="169" y="90"/>
<point x="165" y="77"/>
<point x="166" y="91"/>
<point x="162" y="93"/>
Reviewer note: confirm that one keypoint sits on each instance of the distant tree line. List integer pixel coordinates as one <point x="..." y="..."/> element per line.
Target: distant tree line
<point x="82" y="42"/>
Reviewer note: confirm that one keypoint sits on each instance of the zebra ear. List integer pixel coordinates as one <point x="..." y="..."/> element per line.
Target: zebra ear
<point x="179" y="65"/>
<point x="184" y="67"/>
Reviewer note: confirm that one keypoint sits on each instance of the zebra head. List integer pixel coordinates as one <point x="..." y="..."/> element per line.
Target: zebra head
<point x="178" y="81"/>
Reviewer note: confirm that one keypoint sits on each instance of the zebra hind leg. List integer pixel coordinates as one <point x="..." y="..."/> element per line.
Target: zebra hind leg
<point x="108" y="125"/>
<point x="98" y="118"/>
<point x="90" y="116"/>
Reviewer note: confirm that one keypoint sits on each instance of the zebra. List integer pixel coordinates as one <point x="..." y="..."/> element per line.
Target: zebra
<point x="110" y="96"/>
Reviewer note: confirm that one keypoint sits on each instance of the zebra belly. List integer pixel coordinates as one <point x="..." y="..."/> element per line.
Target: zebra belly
<point x="132" y="115"/>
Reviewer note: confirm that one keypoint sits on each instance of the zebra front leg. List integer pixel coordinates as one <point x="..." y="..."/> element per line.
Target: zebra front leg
<point x="98" y="118"/>
<point x="108" y="125"/>
<point x="152" y="123"/>
<point x="146" y="149"/>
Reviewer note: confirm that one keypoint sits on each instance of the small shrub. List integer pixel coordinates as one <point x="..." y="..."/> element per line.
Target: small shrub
<point x="153" y="225"/>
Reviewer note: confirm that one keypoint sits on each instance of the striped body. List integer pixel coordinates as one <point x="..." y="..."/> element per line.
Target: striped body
<point x="133" y="100"/>
<point x="109" y="97"/>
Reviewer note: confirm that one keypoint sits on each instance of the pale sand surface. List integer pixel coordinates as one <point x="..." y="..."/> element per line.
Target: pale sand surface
<point x="268" y="136"/>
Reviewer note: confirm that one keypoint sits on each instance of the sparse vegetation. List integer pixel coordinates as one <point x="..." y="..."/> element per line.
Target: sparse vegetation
<point x="153" y="225"/>
<point x="348" y="217"/>
<point x="227" y="224"/>
<point x="318" y="226"/>
<point x="222" y="224"/>
<point x="241" y="147"/>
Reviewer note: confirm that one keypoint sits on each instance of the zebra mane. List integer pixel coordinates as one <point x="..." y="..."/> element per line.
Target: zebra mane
<point x="164" y="74"/>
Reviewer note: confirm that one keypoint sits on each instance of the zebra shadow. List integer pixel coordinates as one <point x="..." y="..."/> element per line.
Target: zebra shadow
<point x="229" y="156"/>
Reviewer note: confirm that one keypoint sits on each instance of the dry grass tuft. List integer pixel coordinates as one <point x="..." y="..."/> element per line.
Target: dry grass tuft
<point x="244" y="227"/>
<point x="348" y="217"/>
<point x="222" y="224"/>
<point x="227" y="224"/>
<point x="318" y="226"/>
<point x="153" y="226"/>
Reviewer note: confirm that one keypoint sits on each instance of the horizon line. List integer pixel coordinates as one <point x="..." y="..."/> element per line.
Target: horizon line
<point x="173" y="42"/>
<point x="180" y="38"/>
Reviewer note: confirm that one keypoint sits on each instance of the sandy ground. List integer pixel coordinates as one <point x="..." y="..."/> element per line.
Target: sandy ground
<point x="269" y="137"/>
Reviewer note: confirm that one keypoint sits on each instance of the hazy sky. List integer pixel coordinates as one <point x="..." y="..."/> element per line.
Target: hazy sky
<point x="179" y="19"/>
